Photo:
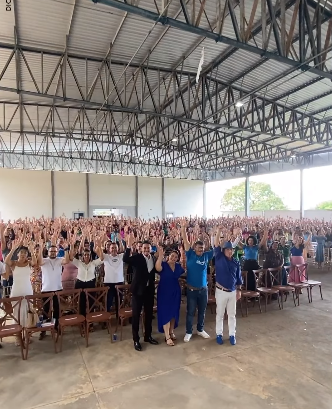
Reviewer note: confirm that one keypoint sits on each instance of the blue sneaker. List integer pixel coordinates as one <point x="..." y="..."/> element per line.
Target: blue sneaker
<point x="232" y="340"/>
<point x="220" y="341"/>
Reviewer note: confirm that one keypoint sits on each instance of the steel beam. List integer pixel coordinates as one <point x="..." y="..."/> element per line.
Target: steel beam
<point x="165" y="20"/>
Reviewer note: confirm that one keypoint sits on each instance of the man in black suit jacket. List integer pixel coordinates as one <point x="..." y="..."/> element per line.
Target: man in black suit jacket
<point x="143" y="289"/>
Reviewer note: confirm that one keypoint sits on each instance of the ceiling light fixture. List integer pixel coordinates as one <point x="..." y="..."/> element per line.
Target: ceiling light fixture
<point x="239" y="104"/>
<point x="293" y="155"/>
<point x="174" y="139"/>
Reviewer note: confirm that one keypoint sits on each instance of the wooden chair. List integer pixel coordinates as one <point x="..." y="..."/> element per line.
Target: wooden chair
<point x="124" y="304"/>
<point x="69" y="313"/>
<point x="7" y="308"/>
<point x="300" y="272"/>
<point x="211" y="293"/>
<point x="276" y="282"/>
<point x="303" y="271"/>
<point x="37" y="303"/>
<point x="266" y="291"/>
<point x="247" y="294"/>
<point x="96" y="309"/>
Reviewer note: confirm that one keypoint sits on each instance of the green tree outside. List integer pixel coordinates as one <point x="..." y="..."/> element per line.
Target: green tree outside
<point x="262" y="197"/>
<point x="327" y="205"/>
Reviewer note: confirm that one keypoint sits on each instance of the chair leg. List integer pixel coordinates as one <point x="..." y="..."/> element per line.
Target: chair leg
<point x="54" y="340"/>
<point x="259" y="304"/>
<point x="320" y="290"/>
<point x="308" y="293"/>
<point x="282" y="300"/>
<point x="266" y="297"/>
<point x="61" y="335"/>
<point x="246" y="306"/>
<point x="20" y="337"/>
<point x="279" y="301"/>
<point x="27" y="341"/>
<point x="86" y="328"/>
<point x="121" y="329"/>
<point x="294" y="299"/>
<point x="109" y="329"/>
<point x="241" y="301"/>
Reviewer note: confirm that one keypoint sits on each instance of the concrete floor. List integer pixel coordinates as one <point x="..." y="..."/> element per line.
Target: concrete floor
<point x="283" y="359"/>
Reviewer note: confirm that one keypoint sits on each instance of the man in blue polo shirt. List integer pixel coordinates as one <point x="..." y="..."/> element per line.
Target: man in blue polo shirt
<point x="228" y="287"/>
<point x="197" y="293"/>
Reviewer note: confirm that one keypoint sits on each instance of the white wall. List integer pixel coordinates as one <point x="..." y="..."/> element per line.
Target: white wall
<point x="149" y="198"/>
<point x="184" y="197"/>
<point x="69" y="193"/>
<point x="109" y="190"/>
<point x="318" y="214"/>
<point x="25" y="193"/>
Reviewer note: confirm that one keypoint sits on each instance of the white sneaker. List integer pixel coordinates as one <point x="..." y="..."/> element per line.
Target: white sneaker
<point x="203" y="334"/>
<point x="187" y="337"/>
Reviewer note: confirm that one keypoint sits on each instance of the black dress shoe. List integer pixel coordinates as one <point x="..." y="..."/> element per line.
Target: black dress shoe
<point x="150" y="340"/>
<point x="137" y="346"/>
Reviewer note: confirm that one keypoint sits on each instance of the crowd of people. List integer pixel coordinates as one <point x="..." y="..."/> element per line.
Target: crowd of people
<point x="48" y="255"/>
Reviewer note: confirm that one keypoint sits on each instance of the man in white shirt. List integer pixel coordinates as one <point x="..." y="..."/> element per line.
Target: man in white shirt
<point x="51" y="268"/>
<point x="114" y="274"/>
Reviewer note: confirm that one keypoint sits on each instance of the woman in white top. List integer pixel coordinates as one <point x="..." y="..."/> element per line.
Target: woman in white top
<point x="21" y="270"/>
<point x="86" y="269"/>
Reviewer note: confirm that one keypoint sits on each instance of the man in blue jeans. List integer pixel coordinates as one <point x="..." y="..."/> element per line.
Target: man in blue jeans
<point x="197" y="292"/>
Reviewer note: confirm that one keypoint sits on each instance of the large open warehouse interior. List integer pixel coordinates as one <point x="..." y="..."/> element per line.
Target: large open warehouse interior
<point x="165" y="204"/>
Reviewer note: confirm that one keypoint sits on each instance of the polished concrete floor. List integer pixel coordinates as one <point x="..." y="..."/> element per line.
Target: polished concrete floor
<point x="283" y="359"/>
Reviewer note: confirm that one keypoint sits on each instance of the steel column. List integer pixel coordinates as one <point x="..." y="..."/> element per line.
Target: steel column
<point x="301" y="194"/>
<point x="52" y="194"/>
<point x="247" y="196"/>
<point x="136" y="196"/>
<point x="163" y="212"/>
<point x="87" y="190"/>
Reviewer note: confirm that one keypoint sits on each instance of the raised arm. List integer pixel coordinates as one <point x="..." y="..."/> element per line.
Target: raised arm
<point x="184" y="236"/>
<point x="263" y="242"/>
<point x="31" y="249"/>
<point x="130" y="241"/>
<point x="8" y="260"/>
<point x="160" y="258"/>
<point x="308" y="241"/>
<point x="2" y="236"/>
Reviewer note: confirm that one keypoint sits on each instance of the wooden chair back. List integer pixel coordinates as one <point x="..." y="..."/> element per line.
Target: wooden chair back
<point x="302" y="271"/>
<point x="96" y="299"/>
<point x="275" y="276"/>
<point x="7" y="308"/>
<point x="38" y="302"/>
<point x="69" y="301"/>
<point x="124" y="296"/>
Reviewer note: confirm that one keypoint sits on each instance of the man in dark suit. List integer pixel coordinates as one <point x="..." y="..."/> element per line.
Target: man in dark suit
<point x="142" y="288"/>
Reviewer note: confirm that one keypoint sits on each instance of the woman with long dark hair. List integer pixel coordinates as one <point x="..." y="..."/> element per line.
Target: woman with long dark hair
<point x="168" y="294"/>
<point x="251" y="249"/>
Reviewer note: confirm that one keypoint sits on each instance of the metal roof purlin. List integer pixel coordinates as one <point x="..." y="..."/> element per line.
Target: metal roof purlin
<point x="165" y="20"/>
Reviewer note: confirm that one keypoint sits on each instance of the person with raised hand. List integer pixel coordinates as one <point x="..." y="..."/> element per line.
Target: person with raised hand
<point x="142" y="288"/>
<point x="197" y="294"/>
<point x="168" y="294"/>
<point x="228" y="286"/>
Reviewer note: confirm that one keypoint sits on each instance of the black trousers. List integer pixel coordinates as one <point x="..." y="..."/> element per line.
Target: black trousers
<point x="82" y="302"/>
<point x="249" y="266"/>
<point x="112" y="293"/>
<point x="56" y="310"/>
<point x="138" y="302"/>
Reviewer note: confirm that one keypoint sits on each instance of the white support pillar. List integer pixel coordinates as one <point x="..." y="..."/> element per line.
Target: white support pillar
<point x="163" y="210"/>
<point x="247" y="197"/>
<point x="301" y="194"/>
<point x="204" y="199"/>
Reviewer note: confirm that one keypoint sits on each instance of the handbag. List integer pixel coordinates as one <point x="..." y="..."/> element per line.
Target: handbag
<point x="32" y="318"/>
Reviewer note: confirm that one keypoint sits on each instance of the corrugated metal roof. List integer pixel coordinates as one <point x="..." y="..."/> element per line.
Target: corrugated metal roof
<point x="93" y="28"/>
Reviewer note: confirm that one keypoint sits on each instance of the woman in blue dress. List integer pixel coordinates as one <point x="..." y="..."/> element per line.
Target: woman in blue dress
<point x="320" y="239"/>
<point x="168" y="294"/>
